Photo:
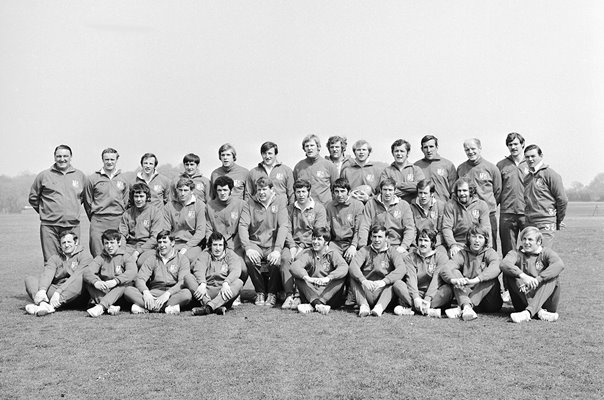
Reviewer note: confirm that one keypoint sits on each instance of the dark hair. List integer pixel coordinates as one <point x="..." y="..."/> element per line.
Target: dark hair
<point x="387" y="182"/>
<point x="424" y="183"/>
<point x="533" y="147"/>
<point x="111" y="234"/>
<point x="323" y="232"/>
<point x="65" y="233"/>
<point x="478" y="230"/>
<point x="302" y="183"/>
<point x="263" y="181"/>
<point x="227" y="147"/>
<point x="427" y="138"/>
<point x="341" y="183"/>
<point x="400" y="142"/>
<point x="149" y="155"/>
<point x="224" y="181"/>
<point x="110" y="150"/>
<point x="266" y="146"/>
<point x="63" y="147"/>
<point x="185" y="182"/>
<point x="140" y="187"/>
<point x="336" y="139"/>
<point x="378" y="228"/>
<point x="430" y="233"/>
<point x="471" y="185"/>
<point x="164" y="233"/>
<point x="216" y="237"/>
<point x="191" y="158"/>
<point x="513" y="135"/>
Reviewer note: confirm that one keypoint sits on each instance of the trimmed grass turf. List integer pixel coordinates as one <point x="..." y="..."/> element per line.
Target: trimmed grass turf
<point x="256" y="352"/>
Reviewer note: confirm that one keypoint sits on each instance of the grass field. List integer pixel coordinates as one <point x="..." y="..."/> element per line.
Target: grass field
<point x="270" y="353"/>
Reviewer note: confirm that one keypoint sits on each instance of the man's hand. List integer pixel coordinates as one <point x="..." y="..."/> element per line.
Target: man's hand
<point x="459" y="283"/>
<point x="368" y="285"/>
<point x="183" y="250"/>
<point x="425" y="306"/>
<point x="102" y="286"/>
<point x="254" y="256"/>
<point x="55" y="300"/>
<point x="201" y="290"/>
<point x="294" y="251"/>
<point x="529" y="282"/>
<point x="274" y="258"/>
<point x="350" y="253"/>
<point x="226" y="292"/>
<point x="417" y="303"/>
<point x="149" y="300"/>
<point x="322" y="281"/>
<point x="40" y="296"/>
<point x="454" y="250"/>
<point x="401" y="249"/>
<point x="161" y="300"/>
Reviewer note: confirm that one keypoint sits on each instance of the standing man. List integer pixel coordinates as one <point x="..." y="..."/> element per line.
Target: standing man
<point x="202" y="189"/>
<point x="105" y="199"/>
<point x="336" y="145"/>
<point x="405" y="174"/>
<point x="513" y="169"/>
<point x="428" y="211"/>
<point x="320" y="172"/>
<point x="487" y="178"/>
<point x="227" y="156"/>
<point x="281" y="175"/>
<point x="436" y="168"/>
<point x="544" y="196"/>
<point x="158" y="183"/>
<point x="363" y="172"/>
<point x="56" y="195"/>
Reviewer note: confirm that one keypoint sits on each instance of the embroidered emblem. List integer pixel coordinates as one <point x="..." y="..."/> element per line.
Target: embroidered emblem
<point x="157" y="188"/>
<point x="538" y="265"/>
<point x="191" y="214"/>
<point x="483" y="265"/>
<point x="199" y="186"/>
<point x="349" y="218"/>
<point x="119" y="269"/>
<point x="274" y="209"/>
<point x="539" y="183"/>
<point x="146" y="223"/>
<point x="396" y="214"/>
<point x="440" y="171"/>
<point x="75" y="183"/>
<point x="234" y="215"/>
<point x="551" y="211"/>
<point x="173" y="268"/>
<point x="410" y="177"/>
<point x="370" y="177"/>
<point x="483" y="176"/>
<point x="238" y="183"/>
<point x="279" y="176"/>
<point x="225" y="269"/>
<point x="475" y="214"/>
<point x="433" y="214"/>
<point x="310" y="216"/>
<point x="120" y="185"/>
<point x="74" y="265"/>
<point x="431" y="268"/>
<point x="384" y="264"/>
<point x="322" y="174"/>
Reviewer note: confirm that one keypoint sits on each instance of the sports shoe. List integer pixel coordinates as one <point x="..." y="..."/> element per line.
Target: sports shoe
<point x="323" y="309"/>
<point x="468" y="314"/>
<point x="138" y="309"/>
<point x="434" y="313"/>
<point x="287" y="303"/>
<point x="364" y="310"/>
<point x="295" y="303"/>
<point x="221" y="310"/>
<point x="96" y="311"/>
<point x="545" y="315"/>
<point x="31" y="309"/>
<point x="505" y="296"/>
<point x="305" y="308"/>
<point x="260" y="299"/>
<point x="271" y="300"/>
<point x="44" y="309"/>
<point x="173" y="310"/>
<point x="237" y="301"/>
<point x="453" y="312"/>
<point x="522" y="316"/>
<point x="113" y="310"/>
<point x="377" y="311"/>
<point x="350" y="299"/>
<point x="400" y="310"/>
<point x="204" y="310"/>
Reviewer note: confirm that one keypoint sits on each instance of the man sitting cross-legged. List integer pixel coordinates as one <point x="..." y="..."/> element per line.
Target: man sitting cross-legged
<point x="320" y="273"/>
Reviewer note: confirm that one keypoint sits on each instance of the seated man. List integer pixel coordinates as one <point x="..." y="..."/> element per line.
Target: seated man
<point x="344" y="215"/>
<point x="428" y="211"/>
<point x="202" y="189"/>
<point x="186" y="219"/>
<point x="141" y="223"/>
<point x="214" y="279"/>
<point x="424" y="290"/>
<point x="108" y="275"/>
<point x="262" y="229"/>
<point x="320" y="273"/>
<point x="374" y="269"/>
<point x="61" y="280"/>
<point x="532" y="277"/>
<point x="159" y="285"/>
<point x="473" y="273"/>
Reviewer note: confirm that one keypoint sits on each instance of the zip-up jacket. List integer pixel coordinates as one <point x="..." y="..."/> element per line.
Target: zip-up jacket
<point x="370" y="264"/>
<point x="186" y="221"/>
<point x="368" y="174"/>
<point x="345" y="221"/>
<point x="61" y="270"/>
<point x="442" y="173"/>
<point x="141" y="226"/>
<point x="321" y="174"/>
<point x="239" y="176"/>
<point x="281" y="175"/>
<point x="159" y="186"/>
<point x="459" y="218"/>
<point x="466" y="263"/>
<point x="223" y="217"/>
<point x="427" y="271"/>
<point x="104" y="195"/>
<point x="105" y="267"/>
<point x="431" y="218"/>
<point x="330" y="265"/>
<point x="396" y="217"/>
<point x="302" y="223"/>
<point x="544" y="265"/>
<point x="155" y="274"/>
<point x="545" y="196"/>
<point x="266" y="227"/>
<point x="202" y="186"/>
<point x="406" y="179"/>
<point x="487" y="178"/>
<point x="512" y="186"/>
<point x="214" y="272"/>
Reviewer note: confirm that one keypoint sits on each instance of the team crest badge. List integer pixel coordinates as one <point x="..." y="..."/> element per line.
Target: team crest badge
<point x="433" y="214"/>
<point x="431" y="268"/>
<point x="191" y="214"/>
<point x="483" y="265"/>
<point x="551" y="211"/>
<point x="120" y="185"/>
<point x="119" y="269"/>
<point x="274" y="209"/>
<point x="157" y="188"/>
<point x="238" y="183"/>
<point x="349" y="218"/>
<point x="199" y="186"/>
<point x="409" y="177"/>
<point x="539" y="265"/>
<point x="396" y="214"/>
<point x="483" y="176"/>
<point x="173" y="268"/>
<point x="146" y="223"/>
<point x="279" y="176"/>
<point x="74" y="265"/>
<point x="225" y="269"/>
<point x="234" y="215"/>
<point x="440" y="171"/>
<point x="384" y="264"/>
<point x="370" y="178"/>
<point x="310" y="216"/>
<point x="75" y="183"/>
<point x="475" y="213"/>
<point x="526" y="171"/>
<point x="539" y="182"/>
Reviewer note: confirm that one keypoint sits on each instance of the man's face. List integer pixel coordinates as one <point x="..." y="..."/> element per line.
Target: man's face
<point x="318" y="243"/>
<point x="472" y="151"/>
<point x="341" y="195"/>
<point x="217" y="248"/>
<point x="301" y="195"/>
<point x="430" y="149"/>
<point x="532" y="158"/>
<point x="140" y="199"/>
<point x="165" y="246"/>
<point x="227" y="158"/>
<point x="264" y="193"/>
<point x="400" y="154"/>
<point x="424" y="244"/>
<point x="223" y="192"/>
<point x="387" y="192"/>
<point x="111" y="246"/>
<point x="190" y="168"/>
<point x="463" y="193"/>
<point x="424" y="196"/>
<point x="184" y="193"/>
<point x="62" y="159"/>
<point x="269" y="157"/>
<point x="311" y="149"/>
<point x="148" y="165"/>
<point x="68" y="244"/>
<point x="335" y="150"/>
<point x="362" y="153"/>
<point x="515" y="148"/>
<point x="378" y="240"/>
<point x="109" y="161"/>
<point x="530" y="243"/>
<point x="477" y="242"/>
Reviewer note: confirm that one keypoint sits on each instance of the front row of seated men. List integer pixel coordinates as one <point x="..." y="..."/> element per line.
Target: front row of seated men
<point x="423" y="280"/>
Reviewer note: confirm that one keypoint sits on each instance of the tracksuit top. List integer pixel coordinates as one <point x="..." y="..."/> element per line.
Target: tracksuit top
<point x="61" y="270"/>
<point x="266" y="227"/>
<point x="368" y="174"/>
<point x="487" y="178"/>
<point x="302" y="222"/>
<point x="104" y="195"/>
<point x="544" y="265"/>
<point x="186" y="221"/>
<point x="406" y="179"/>
<point x="512" y="186"/>
<point x="155" y="274"/>
<point x="309" y="263"/>
<point x="373" y="265"/>
<point x="239" y="176"/>
<point x="57" y="196"/>
<point x="442" y="173"/>
<point x="215" y="271"/>
<point x="459" y="218"/>
<point x="223" y="217"/>
<point x="159" y="186"/>
<point x="202" y="186"/>
<point x="320" y="173"/>
<point x="466" y="263"/>
<point x="345" y="221"/>
<point x="141" y="226"/>
<point x="281" y="175"/>
<point x="396" y="217"/>
<point x="426" y="270"/>
<point x="432" y="218"/>
<point x="545" y="196"/>
<point x="105" y="267"/>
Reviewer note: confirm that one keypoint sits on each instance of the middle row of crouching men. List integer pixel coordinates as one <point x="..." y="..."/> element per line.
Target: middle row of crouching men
<point x="422" y="281"/>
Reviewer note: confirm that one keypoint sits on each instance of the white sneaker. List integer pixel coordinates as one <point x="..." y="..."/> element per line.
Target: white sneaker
<point x="305" y="308"/>
<point x="96" y="311"/>
<point x="287" y="303"/>
<point x="295" y="303"/>
<point x="545" y="315"/>
<point x="113" y="310"/>
<point x="522" y="316"/>
<point x="138" y="309"/>
<point x="468" y="314"/>
<point x="237" y="301"/>
<point x="364" y="310"/>
<point x="173" y="310"/>
<point x="400" y="310"/>
<point x="323" y="309"/>
<point x="31" y="309"/>
<point x="434" y="313"/>
<point x="377" y="311"/>
<point x="453" y="312"/>
<point x="44" y="309"/>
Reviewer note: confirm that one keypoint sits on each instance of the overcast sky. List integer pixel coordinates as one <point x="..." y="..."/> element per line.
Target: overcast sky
<point x="176" y="77"/>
